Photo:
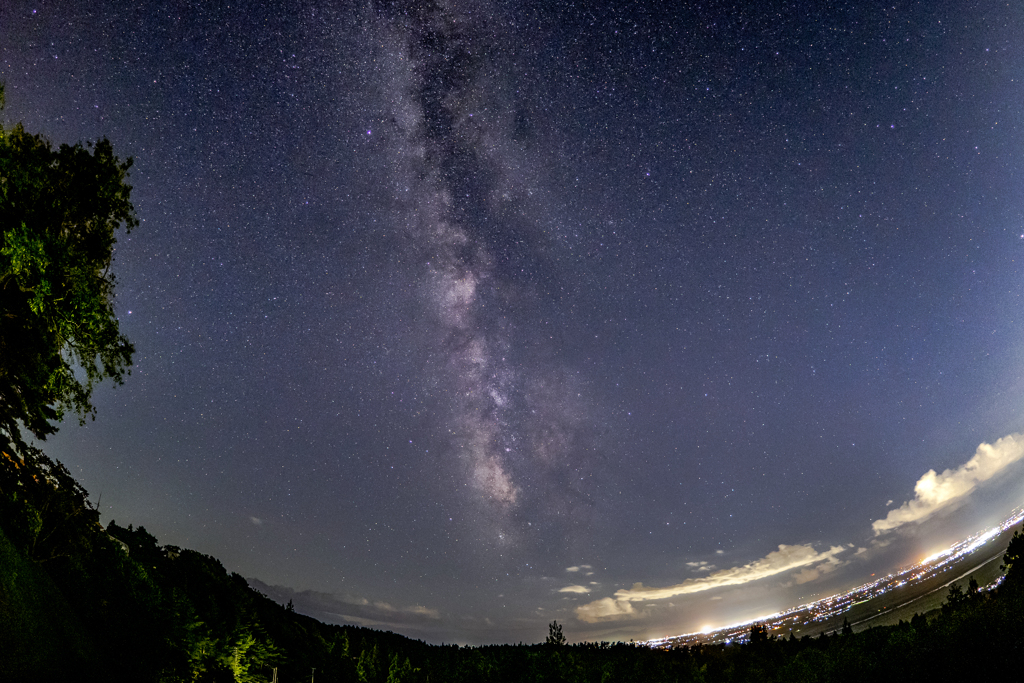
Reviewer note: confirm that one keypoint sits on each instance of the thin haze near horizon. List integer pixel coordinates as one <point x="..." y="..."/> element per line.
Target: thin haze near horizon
<point x="456" y="318"/>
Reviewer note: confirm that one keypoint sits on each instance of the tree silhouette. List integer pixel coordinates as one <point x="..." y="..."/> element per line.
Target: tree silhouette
<point x="555" y="636"/>
<point x="955" y="599"/>
<point x="1013" y="564"/>
<point x="973" y="590"/>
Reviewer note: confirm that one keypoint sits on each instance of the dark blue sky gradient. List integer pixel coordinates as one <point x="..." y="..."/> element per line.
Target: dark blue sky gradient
<point x="435" y="301"/>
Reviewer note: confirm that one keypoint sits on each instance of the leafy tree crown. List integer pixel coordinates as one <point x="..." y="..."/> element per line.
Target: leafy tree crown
<point x="59" y="336"/>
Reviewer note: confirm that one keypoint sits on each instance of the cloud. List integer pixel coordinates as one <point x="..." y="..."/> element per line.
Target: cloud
<point x="805" y="575"/>
<point x="576" y="569"/>
<point x="605" y="608"/>
<point x="785" y="558"/>
<point x="934" y="491"/>
<point x="333" y="608"/>
<point x="700" y="566"/>
<point x="574" y="589"/>
<point x="256" y="520"/>
<point x="812" y="573"/>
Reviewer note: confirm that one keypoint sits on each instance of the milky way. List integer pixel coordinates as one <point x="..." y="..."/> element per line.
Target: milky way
<point x="464" y="194"/>
<point x="482" y="312"/>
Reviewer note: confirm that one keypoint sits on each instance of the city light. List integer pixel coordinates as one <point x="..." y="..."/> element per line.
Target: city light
<point x="822" y="610"/>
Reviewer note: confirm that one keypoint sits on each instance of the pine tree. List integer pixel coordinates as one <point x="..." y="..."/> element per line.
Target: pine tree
<point x="555" y="636"/>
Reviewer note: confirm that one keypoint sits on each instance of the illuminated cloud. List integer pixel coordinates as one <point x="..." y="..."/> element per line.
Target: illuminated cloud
<point x="605" y="608"/>
<point x="579" y="568"/>
<point x="574" y="589"/>
<point x="785" y="558"/>
<point x="934" y="491"/>
<point x="700" y="566"/>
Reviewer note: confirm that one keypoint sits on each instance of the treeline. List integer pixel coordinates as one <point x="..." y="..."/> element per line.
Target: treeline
<point x="80" y="602"/>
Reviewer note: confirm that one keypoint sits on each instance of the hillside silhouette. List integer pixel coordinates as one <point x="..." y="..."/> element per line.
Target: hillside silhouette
<point x="84" y="602"/>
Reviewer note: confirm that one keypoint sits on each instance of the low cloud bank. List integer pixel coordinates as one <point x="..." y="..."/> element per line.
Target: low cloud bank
<point x="335" y="609"/>
<point x="934" y="491"/>
<point x="785" y="558"/>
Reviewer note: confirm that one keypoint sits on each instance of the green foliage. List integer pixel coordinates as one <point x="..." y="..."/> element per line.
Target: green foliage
<point x="251" y="651"/>
<point x="47" y="512"/>
<point x="41" y="637"/>
<point x="401" y="670"/>
<point x="370" y="665"/>
<point x="59" y="210"/>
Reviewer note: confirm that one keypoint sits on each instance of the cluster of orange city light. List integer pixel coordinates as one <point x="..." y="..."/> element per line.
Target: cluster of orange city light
<point x="821" y="610"/>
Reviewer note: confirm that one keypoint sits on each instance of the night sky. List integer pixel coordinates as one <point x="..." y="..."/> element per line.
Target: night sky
<point x="455" y="318"/>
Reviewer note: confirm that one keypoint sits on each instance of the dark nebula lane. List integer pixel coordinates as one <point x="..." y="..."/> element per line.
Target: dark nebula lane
<point x="511" y="430"/>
